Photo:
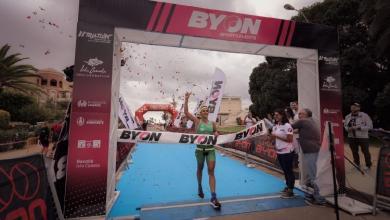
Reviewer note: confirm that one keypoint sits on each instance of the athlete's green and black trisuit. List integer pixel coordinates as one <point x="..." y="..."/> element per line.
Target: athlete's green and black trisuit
<point x="203" y="152"/>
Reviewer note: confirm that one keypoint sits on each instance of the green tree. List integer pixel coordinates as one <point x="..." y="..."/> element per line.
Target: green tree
<point x="363" y="28"/>
<point x="382" y="102"/>
<point x="272" y="85"/>
<point x="34" y="113"/>
<point x="376" y="15"/>
<point x="13" y="75"/>
<point x="364" y="42"/>
<point x="13" y="103"/>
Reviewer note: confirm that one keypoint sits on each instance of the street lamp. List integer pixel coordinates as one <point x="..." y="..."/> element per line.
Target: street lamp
<point x="290" y="7"/>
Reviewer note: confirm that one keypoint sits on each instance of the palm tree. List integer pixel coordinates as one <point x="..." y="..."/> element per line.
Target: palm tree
<point x="14" y="76"/>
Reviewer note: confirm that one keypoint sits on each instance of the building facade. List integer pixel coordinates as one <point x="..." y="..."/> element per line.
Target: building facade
<point x="54" y="84"/>
<point x="230" y="110"/>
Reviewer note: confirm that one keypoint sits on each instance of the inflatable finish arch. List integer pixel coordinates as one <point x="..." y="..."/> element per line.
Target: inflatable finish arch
<point x="139" y="114"/>
<point x="104" y="24"/>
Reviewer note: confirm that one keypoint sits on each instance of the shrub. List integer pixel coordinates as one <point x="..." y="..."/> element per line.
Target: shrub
<point x="13" y="102"/>
<point x="12" y="138"/>
<point x="5" y="118"/>
<point x="34" y="113"/>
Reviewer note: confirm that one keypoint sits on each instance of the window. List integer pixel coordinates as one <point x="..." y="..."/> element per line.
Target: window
<point x="60" y="84"/>
<point x="53" y="82"/>
<point x="44" y="82"/>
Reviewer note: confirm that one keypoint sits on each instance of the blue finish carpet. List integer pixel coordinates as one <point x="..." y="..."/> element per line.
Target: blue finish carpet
<point x="164" y="174"/>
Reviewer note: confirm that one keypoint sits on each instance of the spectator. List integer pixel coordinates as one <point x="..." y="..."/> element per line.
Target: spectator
<point x="290" y="114"/>
<point x="55" y="131"/>
<point x="44" y="134"/>
<point x="310" y="143"/>
<point x="294" y="108"/>
<point x="357" y="124"/>
<point x="249" y="120"/>
<point x="282" y="134"/>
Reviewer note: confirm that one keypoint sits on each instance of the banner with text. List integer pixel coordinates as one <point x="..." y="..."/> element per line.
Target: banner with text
<point x="215" y="98"/>
<point x="134" y="136"/>
<point x="24" y="189"/>
<point x="126" y="115"/>
<point x="87" y="164"/>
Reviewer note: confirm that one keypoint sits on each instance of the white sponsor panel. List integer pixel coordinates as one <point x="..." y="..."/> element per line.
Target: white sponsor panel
<point x="135" y="136"/>
<point x="126" y="115"/>
<point x="215" y="98"/>
<point x="324" y="166"/>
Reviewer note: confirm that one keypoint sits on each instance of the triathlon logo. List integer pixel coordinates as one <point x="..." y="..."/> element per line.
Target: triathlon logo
<point x="198" y="139"/>
<point x="95" y="104"/>
<point x="92" y="67"/>
<point x="227" y="25"/>
<point x="141" y="136"/>
<point x="329" y="60"/>
<point x="329" y="83"/>
<point x="96" y="37"/>
<point x="80" y="121"/>
<point x="81" y="144"/>
<point x="330" y="111"/>
<point x="94" y="62"/>
<point x="81" y="103"/>
<point x="251" y="131"/>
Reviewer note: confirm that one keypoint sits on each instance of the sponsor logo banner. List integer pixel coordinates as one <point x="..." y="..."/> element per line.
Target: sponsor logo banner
<point x="126" y="115"/>
<point x="93" y="68"/>
<point x="95" y="37"/>
<point x="135" y="136"/>
<point x="24" y="190"/>
<point x="330" y="105"/>
<point x="223" y="25"/>
<point x="87" y="160"/>
<point x="215" y="98"/>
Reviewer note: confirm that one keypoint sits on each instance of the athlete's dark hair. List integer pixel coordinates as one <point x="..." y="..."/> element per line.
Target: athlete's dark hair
<point x="281" y="112"/>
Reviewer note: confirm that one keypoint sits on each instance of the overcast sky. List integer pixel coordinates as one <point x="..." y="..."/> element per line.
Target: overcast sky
<point x="45" y="30"/>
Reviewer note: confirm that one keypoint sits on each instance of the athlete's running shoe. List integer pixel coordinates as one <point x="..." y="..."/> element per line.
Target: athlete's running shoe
<point x="215" y="203"/>
<point x="200" y="192"/>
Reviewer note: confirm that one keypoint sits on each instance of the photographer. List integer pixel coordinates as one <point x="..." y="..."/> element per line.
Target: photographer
<point x="357" y="124"/>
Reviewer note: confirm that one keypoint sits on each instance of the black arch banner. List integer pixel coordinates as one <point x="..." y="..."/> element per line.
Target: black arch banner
<point x="24" y="189"/>
<point x="88" y="165"/>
